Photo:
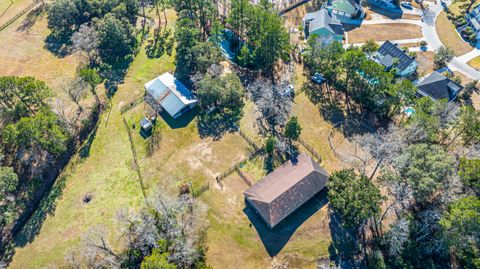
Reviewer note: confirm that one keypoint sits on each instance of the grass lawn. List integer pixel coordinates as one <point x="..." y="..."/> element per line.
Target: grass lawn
<point x="382" y="32"/>
<point x="449" y="36"/>
<point x="456" y="7"/>
<point x="475" y="63"/>
<point x="9" y="8"/>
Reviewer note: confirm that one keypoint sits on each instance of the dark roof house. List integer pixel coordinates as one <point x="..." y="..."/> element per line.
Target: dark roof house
<point x="437" y="86"/>
<point x="323" y="24"/>
<point x="388" y="52"/>
<point x="284" y="190"/>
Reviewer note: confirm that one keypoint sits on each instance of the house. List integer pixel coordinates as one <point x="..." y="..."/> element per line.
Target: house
<point x="473" y="20"/>
<point x="167" y="93"/>
<point x="345" y="9"/>
<point x="323" y="24"/>
<point x="284" y="190"/>
<point x="384" y="4"/>
<point x="437" y="87"/>
<point x="388" y="52"/>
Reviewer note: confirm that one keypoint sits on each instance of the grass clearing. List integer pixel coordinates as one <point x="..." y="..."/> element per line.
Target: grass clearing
<point x="383" y="32"/>
<point x="449" y="36"/>
<point x="9" y="8"/>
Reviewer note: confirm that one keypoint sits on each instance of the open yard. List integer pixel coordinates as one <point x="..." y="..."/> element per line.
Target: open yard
<point x="449" y="36"/>
<point x="382" y="32"/>
<point x="9" y="8"/>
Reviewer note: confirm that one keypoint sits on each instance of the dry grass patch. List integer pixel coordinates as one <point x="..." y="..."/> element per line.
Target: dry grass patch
<point x="475" y="63"/>
<point x="8" y="9"/>
<point x="448" y="35"/>
<point x="425" y="62"/>
<point x="383" y="32"/>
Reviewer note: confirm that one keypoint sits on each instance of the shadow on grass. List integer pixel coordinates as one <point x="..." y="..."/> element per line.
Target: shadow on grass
<point x="84" y="151"/>
<point x="180" y="122"/>
<point x="393" y="14"/>
<point x="216" y="124"/>
<point x="46" y="207"/>
<point x="32" y="18"/>
<point x="275" y="239"/>
<point x="344" y="246"/>
<point x="58" y="45"/>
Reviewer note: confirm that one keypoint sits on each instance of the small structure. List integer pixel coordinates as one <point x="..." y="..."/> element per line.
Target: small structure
<point x="437" y="87"/>
<point x="473" y="20"/>
<point x="167" y="93"/>
<point x="385" y="4"/>
<point x="323" y="24"/>
<point x="388" y="52"/>
<point x="284" y="190"/>
<point x="146" y="125"/>
<point x="345" y="10"/>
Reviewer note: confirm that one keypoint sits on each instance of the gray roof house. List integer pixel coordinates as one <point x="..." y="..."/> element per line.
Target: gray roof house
<point x="167" y="93"/>
<point x="437" y="87"/>
<point x="287" y="188"/>
<point x="388" y="52"/>
<point x="323" y="24"/>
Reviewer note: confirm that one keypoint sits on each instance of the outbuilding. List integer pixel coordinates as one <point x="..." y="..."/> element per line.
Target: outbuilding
<point x="288" y="187"/>
<point x="167" y="93"/>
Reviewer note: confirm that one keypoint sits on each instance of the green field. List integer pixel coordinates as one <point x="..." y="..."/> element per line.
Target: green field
<point x="106" y="170"/>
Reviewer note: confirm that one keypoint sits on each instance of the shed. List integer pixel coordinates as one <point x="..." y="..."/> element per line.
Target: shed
<point x="167" y="93"/>
<point x="287" y="188"/>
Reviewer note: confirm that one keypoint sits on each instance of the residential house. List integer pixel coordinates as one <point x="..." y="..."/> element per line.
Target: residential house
<point x="384" y="4"/>
<point x="167" y="93"/>
<point x="345" y="10"/>
<point x="473" y="20"/>
<point x="287" y="188"/>
<point x="391" y="56"/>
<point x="323" y="24"/>
<point x="437" y="87"/>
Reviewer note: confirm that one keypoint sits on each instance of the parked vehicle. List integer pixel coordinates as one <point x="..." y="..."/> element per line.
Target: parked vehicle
<point x="318" y="78"/>
<point x="288" y="91"/>
<point x="407" y="5"/>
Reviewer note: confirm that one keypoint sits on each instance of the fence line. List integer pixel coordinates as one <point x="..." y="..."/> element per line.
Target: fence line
<point x="249" y="141"/>
<point x="201" y="190"/>
<point x="132" y="105"/>
<point x="236" y="167"/>
<point x="21" y="13"/>
<point x="310" y="149"/>
<point x="135" y="161"/>
<point x="244" y="178"/>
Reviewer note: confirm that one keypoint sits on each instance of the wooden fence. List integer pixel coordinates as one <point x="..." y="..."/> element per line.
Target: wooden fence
<point x="311" y="150"/>
<point x="237" y="166"/>
<point x="133" y="104"/>
<point x="249" y="141"/>
<point x="201" y="190"/>
<point x="18" y="15"/>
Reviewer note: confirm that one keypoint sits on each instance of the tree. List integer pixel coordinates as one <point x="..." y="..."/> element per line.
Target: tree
<point x="8" y="186"/>
<point x="443" y="56"/>
<point x="40" y="130"/>
<point x="353" y="197"/>
<point x="187" y="36"/>
<point x="91" y="77"/>
<point x="423" y="44"/>
<point x="293" y="129"/>
<point x="63" y="16"/>
<point x="75" y="89"/>
<point x="270" y="145"/>
<point x="22" y="96"/>
<point x="86" y="41"/>
<point x="370" y="46"/>
<point x="461" y="226"/>
<point x="116" y="38"/>
<point x="423" y="168"/>
<point x="469" y="172"/>
<point x="225" y="94"/>
<point x="157" y="260"/>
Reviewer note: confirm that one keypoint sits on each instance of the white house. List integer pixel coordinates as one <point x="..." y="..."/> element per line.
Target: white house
<point x="391" y="56"/>
<point x="167" y="93"/>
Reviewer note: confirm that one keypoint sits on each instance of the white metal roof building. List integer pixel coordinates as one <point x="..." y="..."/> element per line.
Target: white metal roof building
<point x="170" y="94"/>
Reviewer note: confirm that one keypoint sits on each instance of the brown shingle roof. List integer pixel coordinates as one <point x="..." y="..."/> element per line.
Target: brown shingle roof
<point x="284" y="190"/>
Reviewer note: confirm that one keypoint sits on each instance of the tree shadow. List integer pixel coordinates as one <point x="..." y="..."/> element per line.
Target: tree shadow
<point x="46" y="207"/>
<point x="275" y="239"/>
<point x="392" y="14"/>
<point x="344" y="246"/>
<point x="32" y="18"/>
<point x="58" y="45"/>
<point x="84" y="151"/>
<point x="114" y="73"/>
<point x="216" y="124"/>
